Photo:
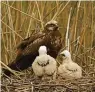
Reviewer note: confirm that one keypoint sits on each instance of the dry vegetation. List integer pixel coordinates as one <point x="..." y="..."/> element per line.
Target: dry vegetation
<point x="19" y="19"/>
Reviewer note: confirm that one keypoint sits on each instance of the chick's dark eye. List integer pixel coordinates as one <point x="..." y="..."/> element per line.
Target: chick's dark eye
<point x="63" y="55"/>
<point x="52" y="25"/>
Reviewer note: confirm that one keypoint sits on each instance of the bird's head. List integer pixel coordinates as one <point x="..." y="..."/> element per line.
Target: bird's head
<point x="42" y="50"/>
<point x="51" y="26"/>
<point x="65" y="55"/>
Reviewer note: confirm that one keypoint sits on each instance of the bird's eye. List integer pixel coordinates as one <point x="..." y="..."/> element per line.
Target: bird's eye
<point x="63" y="55"/>
<point x="52" y="25"/>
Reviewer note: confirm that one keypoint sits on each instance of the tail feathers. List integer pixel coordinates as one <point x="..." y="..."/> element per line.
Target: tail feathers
<point x="11" y="66"/>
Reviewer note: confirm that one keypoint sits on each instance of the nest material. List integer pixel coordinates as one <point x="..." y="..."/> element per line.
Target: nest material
<point x="30" y="83"/>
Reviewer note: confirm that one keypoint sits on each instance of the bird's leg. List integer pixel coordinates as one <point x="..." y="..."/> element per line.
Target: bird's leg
<point x="44" y="77"/>
<point x="38" y="77"/>
<point x="54" y="76"/>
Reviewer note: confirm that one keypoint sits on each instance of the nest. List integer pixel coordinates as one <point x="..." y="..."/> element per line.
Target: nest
<point x="30" y="83"/>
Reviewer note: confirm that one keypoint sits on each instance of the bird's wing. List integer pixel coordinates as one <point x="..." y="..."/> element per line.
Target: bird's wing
<point x="28" y="40"/>
<point x="23" y="44"/>
<point x="73" y="67"/>
<point x="33" y="47"/>
<point x="35" y="36"/>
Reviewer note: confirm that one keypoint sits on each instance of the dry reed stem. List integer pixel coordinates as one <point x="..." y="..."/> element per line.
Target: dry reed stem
<point x="54" y="17"/>
<point x="84" y="25"/>
<point x="22" y="12"/>
<point x="42" y="27"/>
<point x="6" y="51"/>
<point x="30" y="22"/>
<point x="91" y="58"/>
<point x="92" y="28"/>
<point x="78" y="7"/>
<point x="61" y="10"/>
<point x="86" y="51"/>
<point x="10" y="70"/>
<point x="75" y="29"/>
<point x="52" y="11"/>
<point x="68" y="32"/>
<point x="7" y="11"/>
<point x="73" y="42"/>
<point x="24" y="19"/>
<point x="12" y="29"/>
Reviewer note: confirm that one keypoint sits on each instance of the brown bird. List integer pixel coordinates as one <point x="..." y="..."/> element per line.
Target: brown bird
<point x="28" y="48"/>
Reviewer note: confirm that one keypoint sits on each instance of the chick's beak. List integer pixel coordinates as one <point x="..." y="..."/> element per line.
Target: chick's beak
<point x="60" y="55"/>
<point x="60" y="58"/>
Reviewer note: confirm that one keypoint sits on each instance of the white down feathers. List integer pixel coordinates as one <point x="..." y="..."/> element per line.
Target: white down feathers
<point x="44" y="64"/>
<point x="69" y="69"/>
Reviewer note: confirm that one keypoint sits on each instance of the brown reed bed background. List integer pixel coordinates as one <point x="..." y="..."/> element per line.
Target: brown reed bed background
<point x="76" y="20"/>
<point x="20" y="18"/>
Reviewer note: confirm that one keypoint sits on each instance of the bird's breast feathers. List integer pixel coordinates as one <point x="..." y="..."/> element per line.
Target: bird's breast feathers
<point x="45" y="60"/>
<point x="43" y="64"/>
<point x="42" y="60"/>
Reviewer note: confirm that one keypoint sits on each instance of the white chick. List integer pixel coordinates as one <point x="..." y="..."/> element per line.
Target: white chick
<point x="69" y="69"/>
<point x="44" y="64"/>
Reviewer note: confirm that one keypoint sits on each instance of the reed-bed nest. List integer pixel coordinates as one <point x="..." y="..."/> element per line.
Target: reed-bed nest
<point x="30" y="83"/>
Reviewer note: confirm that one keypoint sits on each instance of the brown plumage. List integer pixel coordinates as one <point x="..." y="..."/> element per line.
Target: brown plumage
<point x="28" y="48"/>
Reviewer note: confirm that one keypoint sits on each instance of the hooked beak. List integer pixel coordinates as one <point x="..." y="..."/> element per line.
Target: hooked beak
<point x="60" y="54"/>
